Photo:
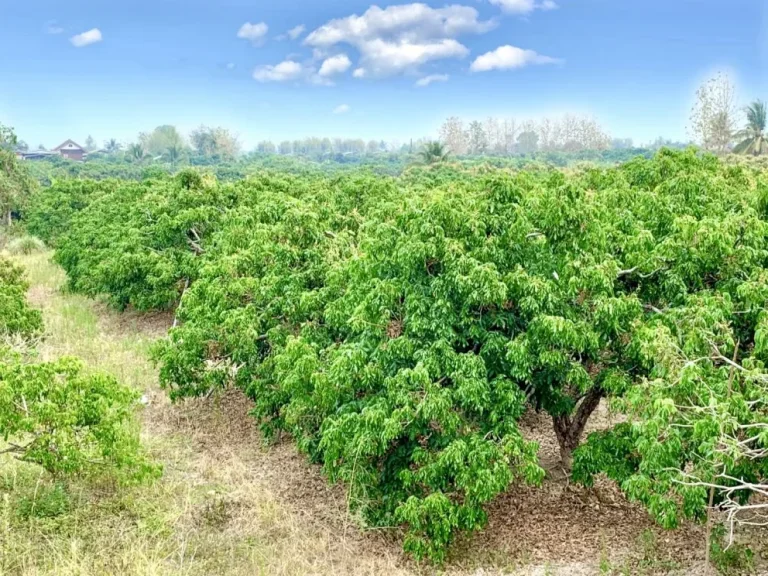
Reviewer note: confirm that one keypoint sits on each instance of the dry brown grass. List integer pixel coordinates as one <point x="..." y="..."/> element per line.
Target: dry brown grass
<point x="229" y="504"/>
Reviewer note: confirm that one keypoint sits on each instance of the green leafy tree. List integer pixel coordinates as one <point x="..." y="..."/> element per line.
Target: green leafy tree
<point x="330" y="354"/>
<point x="16" y="317"/>
<point x="16" y="186"/>
<point x="68" y="421"/>
<point x="50" y="213"/>
<point x="753" y="137"/>
<point x="398" y="329"/>
<point x="161" y="140"/>
<point x="138" y="243"/>
<point x="8" y="139"/>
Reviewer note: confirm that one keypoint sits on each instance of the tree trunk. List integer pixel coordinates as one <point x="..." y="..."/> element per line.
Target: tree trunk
<point x="569" y="429"/>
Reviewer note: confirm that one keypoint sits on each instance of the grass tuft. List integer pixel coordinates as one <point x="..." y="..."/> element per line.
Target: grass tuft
<point x="25" y="245"/>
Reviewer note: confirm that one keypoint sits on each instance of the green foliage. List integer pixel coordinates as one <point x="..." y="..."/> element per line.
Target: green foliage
<point x="138" y="243"/>
<point x="52" y="208"/>
<point x="734" y="560"/>
<point x="122" y="165"/>
<point x="16" y="185"/>
<point x="8" y="139"/>
<point x="411" y="424"/>
<point x="137" y="152"/>
<point x="398" y="329"/>
<point x="161" y="140"/>
<point x="434" y="152"/>
<point x="698" y="402"/>
<point x="753" y="137"/>
<point x="69" y="422"/>
<point x="16" y="317"/>
<point x="47" y="502"/>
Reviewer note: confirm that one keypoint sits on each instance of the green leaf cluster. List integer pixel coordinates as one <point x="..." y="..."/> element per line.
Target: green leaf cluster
<point x="69" y="422"/>
<point x="56" y="414"/>
<point x="16" y="316"/>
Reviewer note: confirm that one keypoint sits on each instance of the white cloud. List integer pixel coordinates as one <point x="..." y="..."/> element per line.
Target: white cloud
<point x="524" y="6"/>
<point x="399" y="39"/>
<point x="289" y="70"/>
<point x="359" y="73"/>
<point x="412" y="21"/>
<point x="253" y="32"/>
<point x="335" y="65"/>
<point x="297" y="31"/>
<point x="342" y="109"/>
<point x="283" y="72"/>
<point x="427" y="80"/>
<point x="90" y="37"/>
<point x="509" y="58"/>
<point x="231" y="66"/>
<point x="383" y="58"/>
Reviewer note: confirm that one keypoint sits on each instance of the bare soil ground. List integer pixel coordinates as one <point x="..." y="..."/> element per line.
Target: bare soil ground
<point x="231" y="504"/>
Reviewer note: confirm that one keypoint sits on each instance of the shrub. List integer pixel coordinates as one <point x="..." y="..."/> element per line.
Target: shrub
<point x="52" y="208"/>
<point x="16" y="317"/>
<point x="69" y="422"/>
<point x="25" y="245"/>
<point x="140" y="243"/>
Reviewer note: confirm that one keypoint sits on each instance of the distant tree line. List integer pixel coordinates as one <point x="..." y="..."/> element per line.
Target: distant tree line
<point x="558" y="141"/>
<point x="510" y="136"/>
<point x="205" y="145"/>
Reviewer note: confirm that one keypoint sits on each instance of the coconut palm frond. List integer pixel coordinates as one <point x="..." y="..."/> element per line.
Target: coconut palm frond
<point x="753" y="138"/>
<point x="434" y="152"/>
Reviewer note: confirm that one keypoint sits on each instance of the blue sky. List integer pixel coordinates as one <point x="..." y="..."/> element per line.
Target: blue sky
<point x="112" y="69"/>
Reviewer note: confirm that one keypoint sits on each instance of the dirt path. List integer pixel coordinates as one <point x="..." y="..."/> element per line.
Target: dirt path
<point x="229" y="504"/>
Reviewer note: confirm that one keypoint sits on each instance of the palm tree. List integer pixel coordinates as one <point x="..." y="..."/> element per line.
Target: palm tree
<point x="753" y="137"/>
<point x="136" y="151"/>
<point x="111" y="146"/>
<point x="174" y="153"/>
<point x="434" y="153"/>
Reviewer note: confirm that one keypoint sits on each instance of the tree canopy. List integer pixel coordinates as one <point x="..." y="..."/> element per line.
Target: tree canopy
<point x="399" y="328"/>
<point x="16" y="185"/>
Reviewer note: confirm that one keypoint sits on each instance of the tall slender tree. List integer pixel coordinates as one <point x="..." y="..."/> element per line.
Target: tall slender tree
<point x="16" y="185"/>
<point x="111" y="146"/>
<point x="137" y="152"/>
<point x="753" y="138"/>
<point x="714" y="115"/>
